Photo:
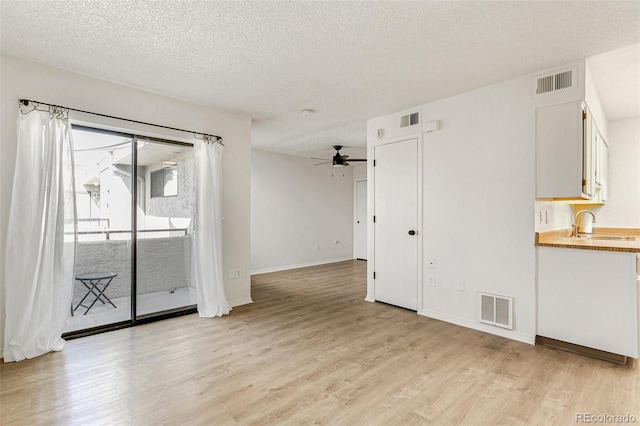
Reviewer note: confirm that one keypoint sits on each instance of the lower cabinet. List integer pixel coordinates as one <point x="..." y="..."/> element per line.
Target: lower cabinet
<point x="589" y="298"/>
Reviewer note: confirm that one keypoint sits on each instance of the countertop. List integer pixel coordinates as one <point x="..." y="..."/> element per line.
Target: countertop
<point x="562" y="238"/>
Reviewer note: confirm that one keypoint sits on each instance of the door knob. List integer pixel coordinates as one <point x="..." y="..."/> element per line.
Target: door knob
<point x="412" y="232"/>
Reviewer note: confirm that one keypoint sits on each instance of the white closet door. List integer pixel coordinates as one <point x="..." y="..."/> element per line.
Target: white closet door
<point x="396" y="221"/>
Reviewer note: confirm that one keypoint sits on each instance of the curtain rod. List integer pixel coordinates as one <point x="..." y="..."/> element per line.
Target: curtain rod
<point x="205" y="136"/>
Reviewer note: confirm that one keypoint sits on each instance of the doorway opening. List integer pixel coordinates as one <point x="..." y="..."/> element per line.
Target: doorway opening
<point x="360" y="219"/>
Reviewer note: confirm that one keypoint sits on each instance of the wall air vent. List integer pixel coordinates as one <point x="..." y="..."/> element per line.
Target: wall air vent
<point x="496" y="310"/>
<point x="409" y="119"/>
<point x="554" y="82"/>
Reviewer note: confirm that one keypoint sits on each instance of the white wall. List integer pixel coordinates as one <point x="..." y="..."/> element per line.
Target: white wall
<point x="550" y="215"/>
<point x="622" y="209"/>
<point x="478" y="192"/>
<point x="359" y="172"/>
<point x="294" y="206"/>
<point x="592" y="97"/>
<point x="21" y="79"/>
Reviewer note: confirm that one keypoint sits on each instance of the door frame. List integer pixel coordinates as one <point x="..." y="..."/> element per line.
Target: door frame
<point x="355" y="203"/>
<point x="135" y="319"/>
<point x="370" y="210"/>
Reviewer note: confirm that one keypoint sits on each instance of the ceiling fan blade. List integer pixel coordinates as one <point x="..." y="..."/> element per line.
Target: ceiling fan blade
<point x="326" y="162"/>
<point x="316" y="158"/>
<point x="345" y="164"/>
<point x="357" y="159"/>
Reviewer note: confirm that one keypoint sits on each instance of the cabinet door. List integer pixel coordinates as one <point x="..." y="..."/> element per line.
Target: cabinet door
<point x="589" y="298"/>
<point x="601" y="158"/>
<point x="604" y="170"/>
<point x="598" y="158"/>
<point x="559" y="151"/>
<point x="588" y="154"/>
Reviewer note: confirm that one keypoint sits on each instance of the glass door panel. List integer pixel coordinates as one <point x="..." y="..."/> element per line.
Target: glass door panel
<point x="165" y="211"/>
<point x="102" y="288"/>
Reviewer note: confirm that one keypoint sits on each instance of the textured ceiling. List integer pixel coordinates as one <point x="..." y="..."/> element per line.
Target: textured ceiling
<point x="348" y="61"/>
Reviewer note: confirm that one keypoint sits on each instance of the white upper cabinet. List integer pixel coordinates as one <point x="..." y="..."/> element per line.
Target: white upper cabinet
<point x="571" y="155"/>
<point x="571" y="158"/>
<point x="602" y="159"/>
<point x="562" y="161"/>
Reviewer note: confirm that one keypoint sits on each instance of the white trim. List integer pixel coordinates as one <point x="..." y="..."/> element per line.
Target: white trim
<point x="370" y="235"/>
<point x="238" y="302"/>
<point x="513" y="335"/>
<point x="135" y="129"/>
<point x="299" y="265"/>
<point x="419" y="219"/>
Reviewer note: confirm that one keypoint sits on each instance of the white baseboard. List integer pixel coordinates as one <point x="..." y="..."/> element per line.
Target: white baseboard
<point x="464" y="322"/>
<point x="239" y="302"/>
<point x="299" y="265"/>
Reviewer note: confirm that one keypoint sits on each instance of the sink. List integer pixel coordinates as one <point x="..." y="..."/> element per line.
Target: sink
<point x="606" y="237"/>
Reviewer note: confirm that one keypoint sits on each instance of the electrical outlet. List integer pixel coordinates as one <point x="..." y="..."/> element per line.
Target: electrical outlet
<point x="431" y="280"/>
<point x="432" y="263"/>
<point x="231" y="273"/>
<point x="238" y="273"/>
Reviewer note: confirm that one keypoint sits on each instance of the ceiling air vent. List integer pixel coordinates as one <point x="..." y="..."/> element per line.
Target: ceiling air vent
<point x="496" y="310"/>
<point x="409" y="119"/>
<point x="553" y="82"/>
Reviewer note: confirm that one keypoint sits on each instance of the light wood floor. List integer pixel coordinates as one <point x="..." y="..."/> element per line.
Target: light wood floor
<point x="310" y="350"/>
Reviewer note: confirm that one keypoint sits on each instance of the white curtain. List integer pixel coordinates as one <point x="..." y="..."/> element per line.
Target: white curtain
<point x="208" y="230"/>
<point x="40" y="252"/>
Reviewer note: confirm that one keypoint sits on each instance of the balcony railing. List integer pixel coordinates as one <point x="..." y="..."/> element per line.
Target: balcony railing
<point x="108" y="232"/>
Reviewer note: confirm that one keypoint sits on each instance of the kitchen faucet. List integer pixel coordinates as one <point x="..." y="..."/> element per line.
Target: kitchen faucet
<point x="575" y="226"/>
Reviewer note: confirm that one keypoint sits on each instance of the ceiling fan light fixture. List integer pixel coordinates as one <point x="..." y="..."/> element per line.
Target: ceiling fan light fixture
<point x="339" y="160"/>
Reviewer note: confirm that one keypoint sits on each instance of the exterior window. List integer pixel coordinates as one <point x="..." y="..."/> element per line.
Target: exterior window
<point x="164" y="182"/>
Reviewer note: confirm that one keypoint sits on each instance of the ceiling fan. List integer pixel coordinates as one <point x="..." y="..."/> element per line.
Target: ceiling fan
<point x="338" y="160"/>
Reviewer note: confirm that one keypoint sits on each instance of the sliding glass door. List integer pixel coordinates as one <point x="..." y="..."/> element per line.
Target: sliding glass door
<point x="102" y="286"/>
<point x="165" y="228"/>
<point x="132" y="263"/>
